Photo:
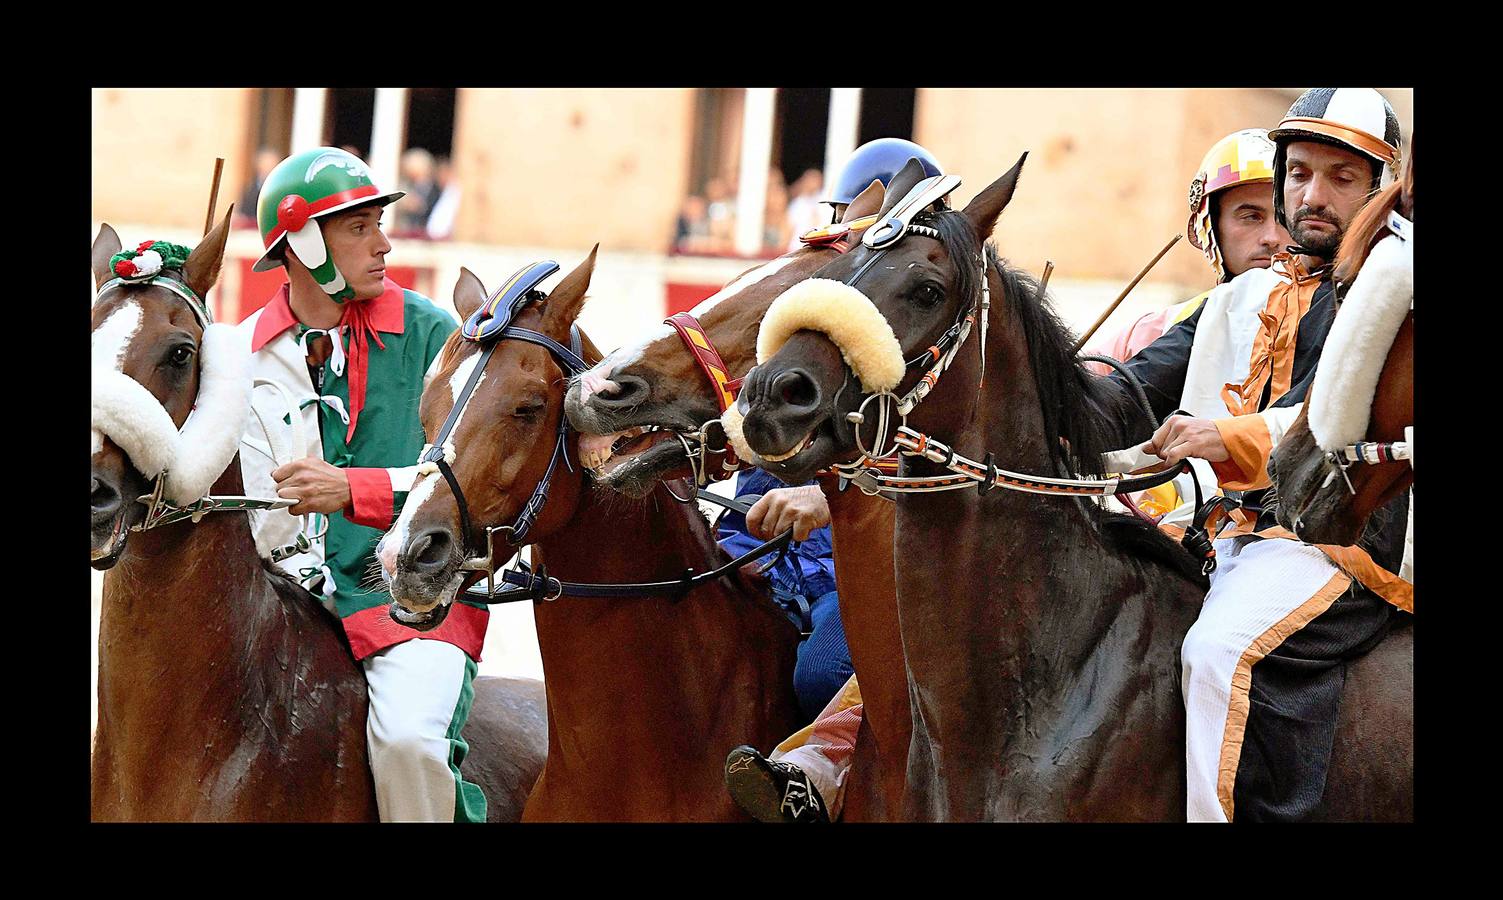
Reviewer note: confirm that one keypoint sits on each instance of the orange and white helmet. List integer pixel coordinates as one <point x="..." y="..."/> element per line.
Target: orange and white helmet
<point x="1243" y="157"/>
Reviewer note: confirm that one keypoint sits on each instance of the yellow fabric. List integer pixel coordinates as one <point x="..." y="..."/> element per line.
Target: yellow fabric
<point x="848" y="696"/>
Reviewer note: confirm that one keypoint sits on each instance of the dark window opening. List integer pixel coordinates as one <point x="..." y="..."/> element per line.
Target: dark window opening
<point x="803" y="118"/>
<point x="885" y="112"/>
<point x="430" y="119"/>
<point x="348" y="119"/>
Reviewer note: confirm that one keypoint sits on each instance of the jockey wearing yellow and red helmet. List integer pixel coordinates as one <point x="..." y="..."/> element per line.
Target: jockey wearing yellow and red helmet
<point x="1231" y="205"/>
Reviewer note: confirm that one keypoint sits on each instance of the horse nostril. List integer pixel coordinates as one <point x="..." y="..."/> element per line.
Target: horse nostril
<point x="103" y="497"/>
<point x="796" y="389"/>
<point x="429" y="552"/>
<point x="622" y="391"/>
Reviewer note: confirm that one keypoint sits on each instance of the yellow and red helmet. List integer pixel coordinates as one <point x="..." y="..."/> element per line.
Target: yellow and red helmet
<point x="1243" y="157"/>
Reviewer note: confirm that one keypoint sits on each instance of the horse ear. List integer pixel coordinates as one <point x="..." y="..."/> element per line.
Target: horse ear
<point x="986" y="207"/>
<point x="202" y="268"/>
<point x="106" y="245"/>
<point x="568" y="298"/>
<point x="866" y="203"/>
<point x="908" y="176"/>
<point x="469" y="294"/>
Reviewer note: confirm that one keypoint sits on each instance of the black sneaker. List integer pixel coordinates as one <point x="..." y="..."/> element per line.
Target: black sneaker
<point x="772" y="791"/>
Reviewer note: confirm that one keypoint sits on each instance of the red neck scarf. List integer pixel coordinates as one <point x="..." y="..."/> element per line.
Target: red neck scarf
<point x="357" y="316"/>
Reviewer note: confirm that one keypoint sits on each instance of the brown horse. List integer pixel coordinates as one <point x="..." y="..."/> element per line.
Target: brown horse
<point x="1042" y="635"/>
<point x="1318" y="502"/>
<point x="226" y="691"/>
<point x="659" y="383"/>
<point x="644" y="694"/>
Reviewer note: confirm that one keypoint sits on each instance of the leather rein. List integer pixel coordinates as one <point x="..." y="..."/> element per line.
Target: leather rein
<point x="490" y="325"/>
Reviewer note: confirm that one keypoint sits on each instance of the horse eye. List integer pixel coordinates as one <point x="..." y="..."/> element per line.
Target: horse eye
<point x="928" y="295"/>
<point x="529" y="410"/>
<point x="180" y="355"/>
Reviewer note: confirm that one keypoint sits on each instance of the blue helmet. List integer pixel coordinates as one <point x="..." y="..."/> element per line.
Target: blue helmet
<point x="879" y="160"/>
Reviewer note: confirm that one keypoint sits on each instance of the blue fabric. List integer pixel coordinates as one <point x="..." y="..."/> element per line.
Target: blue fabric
<point x="809" y="567"/>
<point x="824" y="660"/>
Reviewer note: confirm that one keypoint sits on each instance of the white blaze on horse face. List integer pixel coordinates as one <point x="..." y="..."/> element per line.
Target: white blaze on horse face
<point x="423" y="486"/>
<point x="626" y="356"/>
<point x="107" y="347"/>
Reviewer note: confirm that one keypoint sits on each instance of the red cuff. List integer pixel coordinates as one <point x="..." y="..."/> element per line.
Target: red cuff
<point x="370" y="498"/>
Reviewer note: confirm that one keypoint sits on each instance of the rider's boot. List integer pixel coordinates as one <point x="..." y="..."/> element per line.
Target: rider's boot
<point x="772" y="790"/>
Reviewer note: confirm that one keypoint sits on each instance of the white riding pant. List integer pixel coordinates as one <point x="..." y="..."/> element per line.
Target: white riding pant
<point x="415" y="691"/>
<point x="1261" y="592"/>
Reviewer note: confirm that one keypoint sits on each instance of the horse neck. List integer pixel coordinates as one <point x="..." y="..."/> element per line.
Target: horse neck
<point x="619" y="668"/>
<point x="182" y="606"/>
<point x="1005" y="601"/>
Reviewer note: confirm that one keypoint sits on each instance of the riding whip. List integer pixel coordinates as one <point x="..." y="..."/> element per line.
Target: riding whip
<point x="1125" y="291"/>
<point x="213" y="193"/>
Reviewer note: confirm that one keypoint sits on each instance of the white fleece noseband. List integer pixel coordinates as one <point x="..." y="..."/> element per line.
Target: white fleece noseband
<point x="195" y="457"/>
<point x="849" y="318"/>
<point x="1341" y="397"/>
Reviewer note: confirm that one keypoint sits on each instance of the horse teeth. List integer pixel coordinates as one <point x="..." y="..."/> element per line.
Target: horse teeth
<point x="808" y="442"/>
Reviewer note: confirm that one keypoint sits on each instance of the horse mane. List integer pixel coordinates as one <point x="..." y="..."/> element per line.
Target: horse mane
<point x="1069" y="394"/>
<point x="1372" y="219"/>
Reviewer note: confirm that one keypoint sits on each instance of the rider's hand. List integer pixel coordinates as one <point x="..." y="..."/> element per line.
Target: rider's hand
<point x="1183" y="436"/>
<point x="801" y="508"/>
<point x="317" y="486"/>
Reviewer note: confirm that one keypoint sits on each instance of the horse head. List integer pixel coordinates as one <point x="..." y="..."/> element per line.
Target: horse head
<point x="1364" y="387"/>
<point x="153" y="361"/>
<point x="658" y="382"/>
<point x="504" y="444"/>
<point x="872" y="322"/>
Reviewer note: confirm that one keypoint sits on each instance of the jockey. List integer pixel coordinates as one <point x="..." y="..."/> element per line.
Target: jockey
<point x="351" y="351"/>
<point x="1263" y="666"/>
<point x="1232" y="223"/>
<point x="876" y="160"/>
<point x="803" y="778"/>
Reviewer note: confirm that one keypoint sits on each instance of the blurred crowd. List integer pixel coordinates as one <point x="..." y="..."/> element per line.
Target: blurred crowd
<point x="707" y="224"/>
<point x="427" y="212"/>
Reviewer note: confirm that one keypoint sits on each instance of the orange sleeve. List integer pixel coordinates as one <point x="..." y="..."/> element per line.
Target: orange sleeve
<point x="1250" y="445"/>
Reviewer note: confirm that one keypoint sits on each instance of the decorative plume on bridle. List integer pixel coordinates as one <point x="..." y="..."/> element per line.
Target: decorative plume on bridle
<point x="193" y="458"/>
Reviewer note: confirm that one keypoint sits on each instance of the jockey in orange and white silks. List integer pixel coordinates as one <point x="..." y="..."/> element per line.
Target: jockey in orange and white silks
<point x="1232" y="223"/>
<point x="1262" y="669"/>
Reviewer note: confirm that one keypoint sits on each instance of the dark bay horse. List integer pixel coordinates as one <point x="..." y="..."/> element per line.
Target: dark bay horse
<point x="659" y="383"/>
<point x="1318" y="502"/>
<point x="1042" y="635"/>
<point x="645" y="694"/>
<point x="226" y="691"/>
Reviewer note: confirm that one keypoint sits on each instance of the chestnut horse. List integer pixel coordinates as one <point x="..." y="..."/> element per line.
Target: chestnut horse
<point x="1317" y="501"/>
<point x="645" y="694"/>
<point x="226" y="691"/>
<point x="1042" y="635"/>
<point x="658" y="383"/>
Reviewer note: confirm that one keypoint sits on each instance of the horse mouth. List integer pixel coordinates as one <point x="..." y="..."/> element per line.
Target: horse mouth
<point x="108" y="552"/>
<point x="402" y="600"/>
<point x="817" y="450"/>
<point x="639" y="461"/>
<point x="423" y="621"/>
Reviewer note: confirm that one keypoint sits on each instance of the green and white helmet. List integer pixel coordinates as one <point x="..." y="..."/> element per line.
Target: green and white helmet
<point x="302" y="189"/>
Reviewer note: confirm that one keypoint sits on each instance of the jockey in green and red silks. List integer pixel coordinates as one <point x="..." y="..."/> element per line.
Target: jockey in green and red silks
<point x="352" y="351"/>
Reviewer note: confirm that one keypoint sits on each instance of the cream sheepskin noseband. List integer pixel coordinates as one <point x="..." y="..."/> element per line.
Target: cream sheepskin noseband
<point x="195" y="457"/>
<point x="849" y="318"/>
<point x="1382" y="296"/>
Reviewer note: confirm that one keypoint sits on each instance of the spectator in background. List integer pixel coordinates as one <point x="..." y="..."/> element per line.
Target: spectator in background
<point x="245" y="211"/>
<point x="775" y="214"/>
<point x="446" y="206"/>
<point x="691" y="234"/>
<point x="417" y="180"/>
<point x="722" y="215"/>
<point x="804" y="210"/>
